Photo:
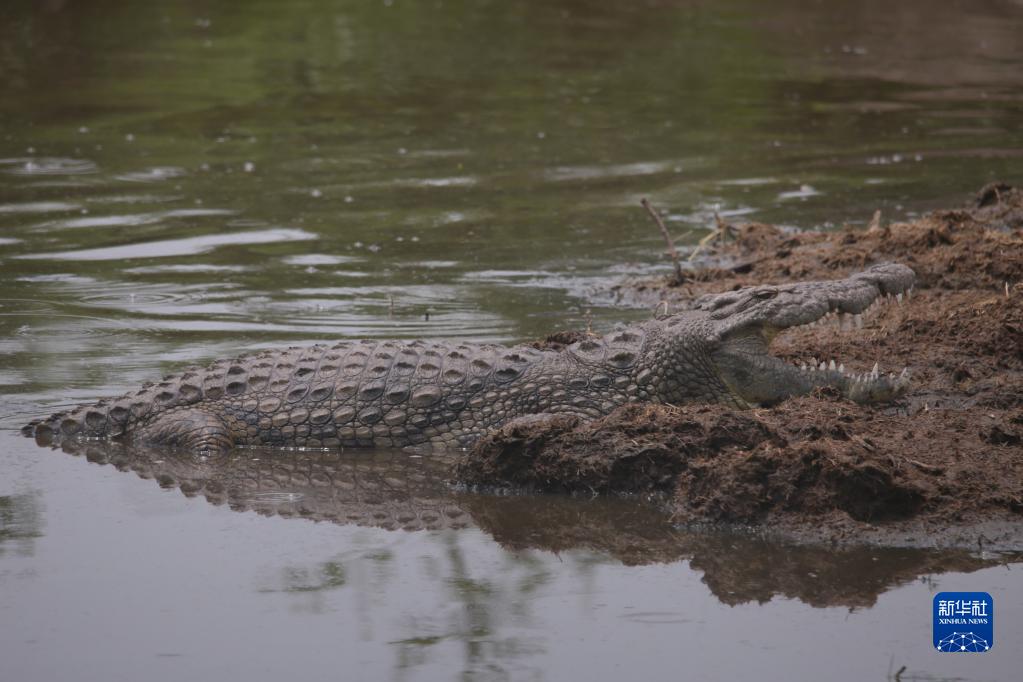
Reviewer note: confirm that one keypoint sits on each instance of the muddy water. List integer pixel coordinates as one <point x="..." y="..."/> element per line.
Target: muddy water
<point x="181" y="181"/>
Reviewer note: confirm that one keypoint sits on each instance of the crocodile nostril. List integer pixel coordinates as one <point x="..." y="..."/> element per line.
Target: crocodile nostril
<point x="720" y="303"/>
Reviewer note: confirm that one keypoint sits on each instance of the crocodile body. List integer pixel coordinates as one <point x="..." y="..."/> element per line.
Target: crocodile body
<point x="400" y="393"/>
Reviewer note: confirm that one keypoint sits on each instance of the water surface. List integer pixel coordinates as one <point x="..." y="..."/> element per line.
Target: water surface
<point x="181" y="181"/>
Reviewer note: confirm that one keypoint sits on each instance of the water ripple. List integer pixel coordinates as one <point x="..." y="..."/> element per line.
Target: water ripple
<point x="459" y="181"/>
<point x="186" y="268"/>
<point x="319" y="259"/>
<point x="564" y="173"/>
<point x="47" y="165"/>
<point x="138" y="300"/>
<point x="434" y="294"/>
<point x="122" y="300"/>
<point x="133" y="219"/>
<point x="39" y="207"/>
<point x="804" y="192"/>
<point x="154" y="174"/>
<point x="133" y="199"/>
<point x="188" y="246"/>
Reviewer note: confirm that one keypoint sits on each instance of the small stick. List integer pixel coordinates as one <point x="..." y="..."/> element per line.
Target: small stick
<point x="929" y="468"/>
<point x="722" y="230"/>
<point x="703" y="242"/>
<point x="679" y="277"/>
<point x="875" y="222"/>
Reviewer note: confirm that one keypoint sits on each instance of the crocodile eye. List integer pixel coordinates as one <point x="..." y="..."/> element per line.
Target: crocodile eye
<point x="765" y="294"/>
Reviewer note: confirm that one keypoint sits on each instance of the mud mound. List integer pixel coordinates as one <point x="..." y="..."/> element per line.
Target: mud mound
<point x="809" y="456"/>
<point x="948" y="455"/>
<point x="976" y="247"/>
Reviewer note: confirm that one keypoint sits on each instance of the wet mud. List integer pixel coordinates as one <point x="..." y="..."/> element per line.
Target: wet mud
<point x="941" y="466"/>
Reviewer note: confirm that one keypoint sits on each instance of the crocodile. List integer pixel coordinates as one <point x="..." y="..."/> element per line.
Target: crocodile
<point x="374" y="393"/>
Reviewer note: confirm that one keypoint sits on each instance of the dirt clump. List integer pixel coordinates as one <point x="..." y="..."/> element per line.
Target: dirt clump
<point x="948" y="455"/>
<point x="559" y="340"/>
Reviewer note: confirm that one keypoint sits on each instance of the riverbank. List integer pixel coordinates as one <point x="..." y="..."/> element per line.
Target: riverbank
<point x="941" y="466"/>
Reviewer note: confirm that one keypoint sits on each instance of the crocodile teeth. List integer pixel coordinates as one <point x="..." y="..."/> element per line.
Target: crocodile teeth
<point x="831" y="366"/>
<point x="898" y="297"/>
<point x="858" y="321"/>
<point x="821" y="368"/>
<point x="875" y="373"/>
<point x="841" y="369"/>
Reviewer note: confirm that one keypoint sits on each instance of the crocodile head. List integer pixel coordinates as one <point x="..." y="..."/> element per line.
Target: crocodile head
<point x="741" y="325"/>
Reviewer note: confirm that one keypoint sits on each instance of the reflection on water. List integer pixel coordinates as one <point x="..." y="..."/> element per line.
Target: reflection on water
<point x="395" y="491"/>
<point x="328" y="576"/>
<point x="21" y="521"/>
<point x="529" y="588"/>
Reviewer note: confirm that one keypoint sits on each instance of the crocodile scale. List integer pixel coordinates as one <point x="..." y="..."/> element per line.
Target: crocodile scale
<point x="401" y="393"/>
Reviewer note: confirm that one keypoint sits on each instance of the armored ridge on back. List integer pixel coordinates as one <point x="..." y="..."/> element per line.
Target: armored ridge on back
<point x="398" y="393"/>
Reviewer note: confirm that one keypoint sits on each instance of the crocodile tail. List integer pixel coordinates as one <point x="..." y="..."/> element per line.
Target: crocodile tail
<point x="99" y="420"/>
<point x="36" y="426"/>
<point x="45" y="431"/>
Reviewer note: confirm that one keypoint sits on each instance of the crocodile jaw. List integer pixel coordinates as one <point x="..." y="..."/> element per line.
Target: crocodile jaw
<point x="748" y="320"/>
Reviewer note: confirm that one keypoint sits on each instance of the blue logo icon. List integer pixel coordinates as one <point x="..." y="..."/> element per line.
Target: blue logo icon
<point x="964" y="622"/>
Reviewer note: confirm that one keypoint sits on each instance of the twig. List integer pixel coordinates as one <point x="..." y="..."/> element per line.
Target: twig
<point x="867" y="446"/>
<point x="686" y="235"/>
<point x="699" y="245"/>
<point x="722" y="229"/>
<point x="875" y="222"/>
<point x="679" y="277"/>
<point x="929" y="468"/>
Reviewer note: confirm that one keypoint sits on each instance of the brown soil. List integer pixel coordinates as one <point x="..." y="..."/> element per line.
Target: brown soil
<point x="943" y="465"/>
